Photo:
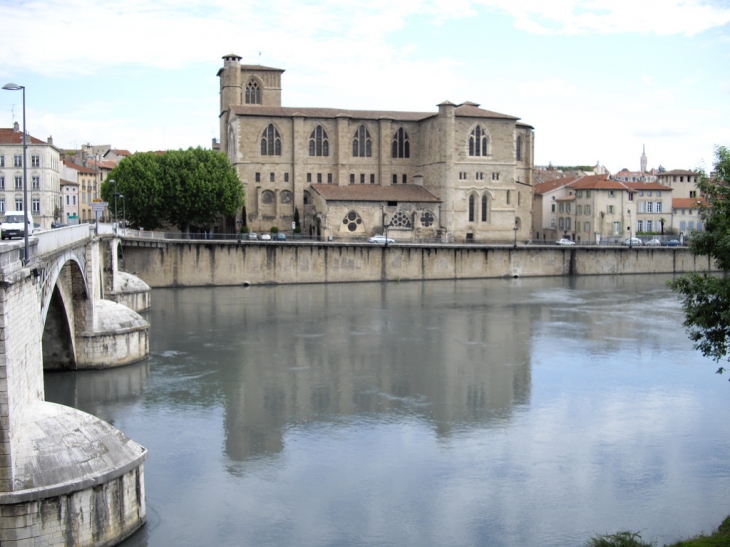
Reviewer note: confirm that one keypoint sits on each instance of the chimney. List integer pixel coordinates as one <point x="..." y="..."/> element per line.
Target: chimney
<point x="50" y="139"/>
<point x="16" y="127"/>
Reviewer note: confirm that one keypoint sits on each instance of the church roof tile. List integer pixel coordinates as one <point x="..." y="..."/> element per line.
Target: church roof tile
<point x="373" y="192"/>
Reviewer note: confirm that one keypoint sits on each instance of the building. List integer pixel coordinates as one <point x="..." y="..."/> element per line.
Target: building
<point x="86" y="187"/>
<point x="687" y="200"/>
<point x="43" y="172"/>
<point x="462" y="173"/>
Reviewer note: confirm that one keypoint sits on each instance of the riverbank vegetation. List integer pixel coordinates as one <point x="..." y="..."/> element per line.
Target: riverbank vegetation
<point x="719" y="538"/>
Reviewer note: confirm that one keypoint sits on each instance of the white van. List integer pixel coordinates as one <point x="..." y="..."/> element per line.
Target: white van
<point x="12" y="224"/>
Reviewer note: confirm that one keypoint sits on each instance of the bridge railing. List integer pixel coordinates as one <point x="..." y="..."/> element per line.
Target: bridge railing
<point x="50" y="240"/>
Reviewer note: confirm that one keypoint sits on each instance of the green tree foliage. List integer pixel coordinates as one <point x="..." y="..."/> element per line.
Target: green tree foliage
<point x="705" y="297"/>
<point x="182" y="187"/>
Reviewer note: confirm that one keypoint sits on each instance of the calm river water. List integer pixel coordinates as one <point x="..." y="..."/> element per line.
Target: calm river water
<point x="527" y="412"/>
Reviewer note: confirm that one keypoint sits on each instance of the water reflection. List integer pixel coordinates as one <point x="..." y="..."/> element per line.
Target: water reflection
<point x="500" y="412"/>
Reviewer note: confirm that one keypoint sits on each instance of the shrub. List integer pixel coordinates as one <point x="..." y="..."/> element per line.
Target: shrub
<point x="619" y="539"/>
<point x="274" y="230"/>
<point x="244" y="229"/>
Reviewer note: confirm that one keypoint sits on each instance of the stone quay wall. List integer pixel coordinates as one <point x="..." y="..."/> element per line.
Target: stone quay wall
<point x="165" y="263"/>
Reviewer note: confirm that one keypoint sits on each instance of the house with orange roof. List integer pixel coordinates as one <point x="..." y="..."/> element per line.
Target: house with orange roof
<point x="87" y="189"/>
<point x="42" y="164"/>
<point x="462" y="173"/>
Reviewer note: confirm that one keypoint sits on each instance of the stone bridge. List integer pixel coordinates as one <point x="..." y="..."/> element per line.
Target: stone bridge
<point x="66" y="478"/>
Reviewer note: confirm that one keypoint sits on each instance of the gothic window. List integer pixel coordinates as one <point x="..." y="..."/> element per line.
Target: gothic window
<point x="253" y="93"/>
<point x="401" y="220"/>
<point x="362" y="144"/>
<point x="318" y="142"/>
<point x="427" y="219"/>
<point x="484" y="208"/>
<point x="352" y="220"/>
<point x="471" y="208"/>
<point x="478" y="141"/>
<point x="285" y="197"/>
<point x="401" y="144"/>
<point x="271" y="142"/>
<point x="267" y="197"/>
<point x="518" y="148"/>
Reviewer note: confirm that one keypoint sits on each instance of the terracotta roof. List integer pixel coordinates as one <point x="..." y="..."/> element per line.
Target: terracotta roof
<point x="678" y="172"/>
<point x="599" y="182"/>
<point x="648" y="186"/>
<point x="65" y="182"/>
<point x="375" y="192"/>
<point x="549" y="186"/>
<point x="688" y="203"/>
<point x="10" y="136"/>
<point x="119" y="152"/>
<point x="464" y="111"/>
<point x="79" y="168"/>
<point x="103" y="164"/>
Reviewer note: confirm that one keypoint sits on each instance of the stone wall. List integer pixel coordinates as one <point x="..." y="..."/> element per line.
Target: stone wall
<point x="167" y="264"/>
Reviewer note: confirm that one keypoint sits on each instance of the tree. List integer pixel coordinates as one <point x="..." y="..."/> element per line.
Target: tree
<point x="139" y="180"/>
<point x="182" y="187"/>
<point x="706" y="297"/>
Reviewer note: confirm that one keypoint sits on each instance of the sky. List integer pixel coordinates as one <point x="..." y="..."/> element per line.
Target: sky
<point x="597" y="79"/>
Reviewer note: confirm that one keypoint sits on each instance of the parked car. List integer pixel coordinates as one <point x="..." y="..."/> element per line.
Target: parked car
<point x="252" y="236"/>
<point x="265" y="237"/>
<point x="654" y="242"/>
<point x="381" y="240"/>
<point x="280" y="237"/>
<point x="565" y="241"/>
<point x="672" y="243"/>
<point x="632" y="241"/>
<point x="56" y="224"/>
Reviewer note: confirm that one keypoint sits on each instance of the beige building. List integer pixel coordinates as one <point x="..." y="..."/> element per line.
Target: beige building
<point x="43" y="172"/>
<point x="87" y="189"/>
<point x="462" y="173"/>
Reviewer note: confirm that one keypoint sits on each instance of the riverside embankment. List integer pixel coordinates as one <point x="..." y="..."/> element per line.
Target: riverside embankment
<point x="174" y="263"/>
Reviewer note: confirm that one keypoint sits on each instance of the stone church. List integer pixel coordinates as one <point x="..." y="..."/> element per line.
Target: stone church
<point x="460" y="174"/>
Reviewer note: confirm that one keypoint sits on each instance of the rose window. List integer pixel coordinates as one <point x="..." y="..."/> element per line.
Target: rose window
<point x="401" y="220"/>
<point x="427" y="219"/>
<point x="352" y="220"/>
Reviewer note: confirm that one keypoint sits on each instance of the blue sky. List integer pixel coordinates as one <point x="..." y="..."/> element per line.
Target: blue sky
<point x="598" y="79"/>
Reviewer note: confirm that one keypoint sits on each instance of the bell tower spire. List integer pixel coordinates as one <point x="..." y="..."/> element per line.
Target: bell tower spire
<point x="643" y="159"/>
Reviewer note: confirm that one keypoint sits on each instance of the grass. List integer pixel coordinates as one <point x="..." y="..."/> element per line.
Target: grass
<point x="719" y="538"/>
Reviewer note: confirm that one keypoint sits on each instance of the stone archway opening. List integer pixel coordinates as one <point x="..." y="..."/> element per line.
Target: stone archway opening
<point x="57" y="341"/>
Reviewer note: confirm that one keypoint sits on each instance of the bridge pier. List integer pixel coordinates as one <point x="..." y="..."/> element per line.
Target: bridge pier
<point x="66" y="477"/>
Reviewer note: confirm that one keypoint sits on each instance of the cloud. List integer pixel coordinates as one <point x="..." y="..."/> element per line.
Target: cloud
<point x="687" y="17"/>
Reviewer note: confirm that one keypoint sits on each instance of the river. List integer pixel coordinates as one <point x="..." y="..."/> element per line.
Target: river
<point x="520" y="412"/>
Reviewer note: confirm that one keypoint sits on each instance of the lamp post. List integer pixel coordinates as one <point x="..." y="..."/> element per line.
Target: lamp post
<point x="515" y="229"/>
<point x="16" y="87"/>
<point x="116" y="221"/>
<point x="124" y="214"/>
<point x="629" y="228"/>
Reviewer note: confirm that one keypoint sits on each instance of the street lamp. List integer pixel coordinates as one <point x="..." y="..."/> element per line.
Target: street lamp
<point x="629" y="228"/>
<point x="124" y="214"/>
<point x="515" y="229"/>
<point x="116" y="216"/>
<point x="26" y="258"/>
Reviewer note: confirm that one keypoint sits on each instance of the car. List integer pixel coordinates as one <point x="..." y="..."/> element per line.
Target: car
<point x="632" y="242"/>
<point x="672" y="243"/>
<point x="654" y="242"/>
<point x="265" y="237"/>
<point x="56" y="224"/>
<point x="565" y="241"/>
<point x="280" y="237"/>
<point x="381" y="240"/>
<point x="252" y="236"/>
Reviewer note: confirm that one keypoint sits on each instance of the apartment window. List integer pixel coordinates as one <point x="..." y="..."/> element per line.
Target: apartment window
<point x="2" y="205"/>
<point x="639" y="226"/>
<point x="319" y="178"/>
<point x="2" y="161"/>
<point x="361" y="143"/>
<point x="579" y="209"/>
<point x="18" y="204"/>
<point x="18" y="183"/>
<point x="309" y="177"/>
<point x="405" y="179"/>
<point x="401" y="144"/>
<point x="641" y="206"/>
<point x="552" y="208"/>
<point x="611" y="194"/>
<point x="329" y="178"/>
<point x="648" y="193"/>
<point x="552" y="223"/>
<point x="36" y="204"/>
<point x="616" y="228"/>
<point x="258" y="177"/>
<point x="658" y="206"/>
<point x="395" y="179"/>
<point x="495" y="176"/>
<point x="649" y="225"/>
<point x="561" y="206"/>
<point x="649" y="208"/>
<point x="657" y="193"/>
<point x="352" y="178"/>
<point x="272" y="177"/>
<point x="610" y="209"/>
<point x="588" y="193"/>
<point x="35" y="161"/>
<point x="2" y="183"/>
<point x="567" y="208"/>
<point x="372" y="178"/>
<point x="561" y="223"/>
<point x="362" y="178"/>
<point x="641" y="193"/>
<point x="586" y="226"/>
<point x="74" y="200"/>
<point x="567" y="223"/>
<point x="631" y="196"/>
<point x="286" y="177"/>
<point x="17" y="160"/>
<point x="587" y="209"/>
<point x="693" y="193"/>
<point x="68" y="199"/>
